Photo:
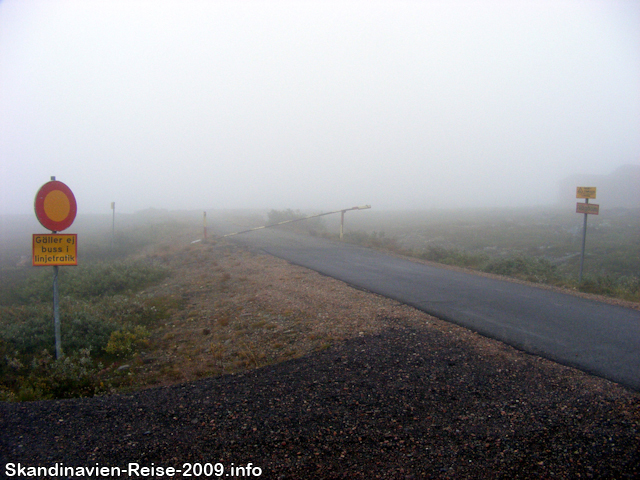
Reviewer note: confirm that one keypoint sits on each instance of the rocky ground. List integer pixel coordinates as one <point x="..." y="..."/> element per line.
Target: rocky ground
<point x="303" y="376"/>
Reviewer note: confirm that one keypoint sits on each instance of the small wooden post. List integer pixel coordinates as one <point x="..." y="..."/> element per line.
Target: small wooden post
<point x="204" y="222"/>
<point x="113" y="224"/>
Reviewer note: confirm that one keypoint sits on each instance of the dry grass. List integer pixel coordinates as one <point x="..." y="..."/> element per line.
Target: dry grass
<point x="233" y="310"/>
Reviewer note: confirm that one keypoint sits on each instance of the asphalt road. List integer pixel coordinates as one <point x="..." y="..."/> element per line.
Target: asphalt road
<point x="598" y="338"/>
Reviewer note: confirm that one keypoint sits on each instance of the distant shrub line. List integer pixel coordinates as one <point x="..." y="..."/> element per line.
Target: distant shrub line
<point x="314" y="226"/>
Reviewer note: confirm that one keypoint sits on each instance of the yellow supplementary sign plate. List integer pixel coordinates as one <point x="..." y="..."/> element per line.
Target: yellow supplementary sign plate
<point x="590" y="208"/>
<point x="53" y="249"/>
<point x="586" y="192"/>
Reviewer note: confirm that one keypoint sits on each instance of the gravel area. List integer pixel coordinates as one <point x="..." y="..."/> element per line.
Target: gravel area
<point x="401" y="396"/>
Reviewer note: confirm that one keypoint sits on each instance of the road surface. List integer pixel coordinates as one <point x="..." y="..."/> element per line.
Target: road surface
<point x="598" y="338"/>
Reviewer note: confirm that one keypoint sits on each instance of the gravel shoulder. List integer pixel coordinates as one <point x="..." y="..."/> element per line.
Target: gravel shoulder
<point x="306" y="377"/>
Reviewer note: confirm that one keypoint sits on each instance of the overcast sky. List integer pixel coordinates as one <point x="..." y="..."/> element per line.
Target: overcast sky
<point x="323" y="105"/>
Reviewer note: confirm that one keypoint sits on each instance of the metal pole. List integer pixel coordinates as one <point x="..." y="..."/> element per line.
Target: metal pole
<point x="204" y="222"/>
<point x="341" y="224"/>
<point x="56" y="307"/>
<point x="56" y="314"/>
<point x="584" y="242"/>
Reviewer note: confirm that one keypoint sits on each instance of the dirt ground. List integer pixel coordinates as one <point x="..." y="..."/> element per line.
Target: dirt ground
<point x="231" y="309"/>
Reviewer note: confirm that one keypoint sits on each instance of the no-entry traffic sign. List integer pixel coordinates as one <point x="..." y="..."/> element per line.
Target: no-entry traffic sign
<point x="55" y="206"/>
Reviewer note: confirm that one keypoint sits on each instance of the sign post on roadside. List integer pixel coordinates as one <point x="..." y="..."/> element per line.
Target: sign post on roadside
<point x="587" y="209"/>
<point x="113" y="224"/>
<point x="55" y="207"/>
<point x="204" y="225"/>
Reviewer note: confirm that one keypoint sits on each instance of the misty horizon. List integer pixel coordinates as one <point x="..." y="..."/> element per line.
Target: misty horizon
<point x="258" y="105"/>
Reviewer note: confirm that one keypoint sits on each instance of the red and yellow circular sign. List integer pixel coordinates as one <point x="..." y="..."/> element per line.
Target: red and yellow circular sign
<point x="55" y="206"/>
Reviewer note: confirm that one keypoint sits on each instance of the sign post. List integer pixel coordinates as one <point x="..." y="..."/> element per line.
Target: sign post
<point x="113" y="224"/>
<point x="204" y="225"/>
<point x="56" y="208"/>
<point x="587" y="209"/>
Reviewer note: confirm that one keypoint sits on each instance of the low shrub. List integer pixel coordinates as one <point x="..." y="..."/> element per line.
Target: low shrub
<point x="626" y="287"/>
<point x="98" y="314"/>
<point x="30" y="329"/>
<point x="101" y="279"/>
<point x="46" y="378"/>
<point x="26" y="329"/>
<point x="82" y="282"/>
<point x="123" y="343"/>
<point x="599" y="284"/>
<point x="277" y="216"/>
<point x="526" y="268"/>
<point x="453" y="257"/>
<point x="374" y="239"/>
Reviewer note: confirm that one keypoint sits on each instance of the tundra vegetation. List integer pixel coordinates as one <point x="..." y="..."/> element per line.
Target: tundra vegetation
<point x="108" y="321"/>
<point x="103" y="321"/>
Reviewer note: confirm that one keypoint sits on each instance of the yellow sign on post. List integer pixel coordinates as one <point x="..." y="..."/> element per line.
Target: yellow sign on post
<point x="586" y="192"/>
<point x="589" y="208"/>
<point x="52" y="249"/>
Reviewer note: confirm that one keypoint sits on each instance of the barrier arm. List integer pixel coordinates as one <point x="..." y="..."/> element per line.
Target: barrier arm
<point x="363" y="207"/>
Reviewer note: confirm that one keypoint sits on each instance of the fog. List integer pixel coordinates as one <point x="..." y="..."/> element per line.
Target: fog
<point x="324" y="105"/>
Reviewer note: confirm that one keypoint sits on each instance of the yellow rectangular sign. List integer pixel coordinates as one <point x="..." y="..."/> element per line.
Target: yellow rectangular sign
<point x="586" y="192"/>
<point x="51" y="249"/>
<point x="590" y="208"/>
